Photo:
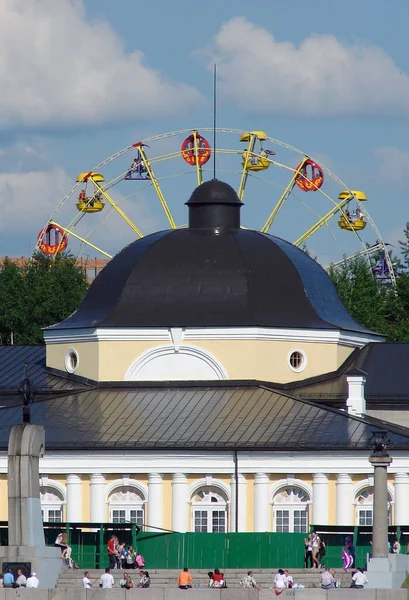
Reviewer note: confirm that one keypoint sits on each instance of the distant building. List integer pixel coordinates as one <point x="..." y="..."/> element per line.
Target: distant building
<point x="92" y="266"/>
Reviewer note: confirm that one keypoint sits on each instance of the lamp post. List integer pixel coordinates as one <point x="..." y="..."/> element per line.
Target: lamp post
<point x="380" y="460"/>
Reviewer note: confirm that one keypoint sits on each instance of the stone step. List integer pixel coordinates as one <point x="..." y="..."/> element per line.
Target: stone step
<point x="168" y="577"/>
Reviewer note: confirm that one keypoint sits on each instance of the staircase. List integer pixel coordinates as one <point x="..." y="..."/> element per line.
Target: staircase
<point x="309" y="578"/>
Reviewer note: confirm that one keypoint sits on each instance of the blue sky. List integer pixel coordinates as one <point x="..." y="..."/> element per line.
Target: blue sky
<point x="84" y="79"/>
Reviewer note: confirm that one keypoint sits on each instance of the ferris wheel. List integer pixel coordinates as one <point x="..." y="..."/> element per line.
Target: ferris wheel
<point x="286" y="192"/>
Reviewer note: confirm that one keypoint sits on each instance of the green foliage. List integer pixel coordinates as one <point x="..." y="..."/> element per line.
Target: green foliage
<point x="374" y="304"/>
<point x="44" y="291"/>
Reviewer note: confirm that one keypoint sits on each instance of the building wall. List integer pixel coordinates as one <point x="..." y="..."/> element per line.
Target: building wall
<point x="341" y="478"/>
<point x="264" y="360"/>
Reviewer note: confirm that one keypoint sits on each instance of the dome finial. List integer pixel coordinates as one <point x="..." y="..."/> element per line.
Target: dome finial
<point x="213" y="205"/>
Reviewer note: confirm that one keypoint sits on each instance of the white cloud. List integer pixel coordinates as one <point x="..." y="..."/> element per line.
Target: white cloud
<point x="392" y="168"/>
<point x="27" y="199"/>
<point x="320" y="77"/>
<point x="58" y="68"/>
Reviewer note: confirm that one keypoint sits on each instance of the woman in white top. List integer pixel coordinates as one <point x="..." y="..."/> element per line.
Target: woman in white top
<point x="315" y="545"/>
<point x="280" y="581"/>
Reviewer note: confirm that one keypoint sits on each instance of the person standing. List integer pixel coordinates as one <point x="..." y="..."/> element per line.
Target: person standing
<point x="106" y="580"/>
<point x="315" y="545"/>
<point x="308" y="553"/>
<point x="32" y="581"/>
<point x="185" y="579"/>
<point x="112" y="553"/>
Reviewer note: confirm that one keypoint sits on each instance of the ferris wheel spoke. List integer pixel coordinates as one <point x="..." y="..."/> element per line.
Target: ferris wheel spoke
<point x="156" y="185"/>
<point x="114" y="205"/>
<point x="284" y="196"/>
<point x="81" y="239"/>
<point x="245" y="165"/>
<point x="324" y="220"/>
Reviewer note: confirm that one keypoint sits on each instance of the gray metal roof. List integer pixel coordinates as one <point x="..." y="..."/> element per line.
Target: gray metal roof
<point x="387" y="381"/>
<point x="202" y="417"/>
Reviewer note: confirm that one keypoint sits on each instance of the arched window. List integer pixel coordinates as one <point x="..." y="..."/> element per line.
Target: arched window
<point x="364" y="507"/>
<point x="209" y="510"/>
<point x="126" y="505"/>
<point x="52" y="503"/>
<point x="290" y="510"/>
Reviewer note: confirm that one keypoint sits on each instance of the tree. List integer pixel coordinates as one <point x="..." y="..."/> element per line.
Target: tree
<point x="404" y="246"/>
<point x="374" y="304"/>
<point x="44" y="291"/>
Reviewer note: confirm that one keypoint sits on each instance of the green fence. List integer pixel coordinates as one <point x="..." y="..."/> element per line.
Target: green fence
<point x="168" y="550"/>
<point x="224" y="550"/>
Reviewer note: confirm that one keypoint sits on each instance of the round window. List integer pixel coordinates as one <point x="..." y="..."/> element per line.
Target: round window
<point x="71" y="361"/>
<point x="297" y="361"/>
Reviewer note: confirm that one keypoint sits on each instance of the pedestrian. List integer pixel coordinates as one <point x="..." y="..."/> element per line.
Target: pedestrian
<point x="106" y="581"/>
<point x="290" y="580"/>
<point x="359" y="579"/>
<point x="315" y="544"/>
<point x="308" y="553"/>
<point x="32" y="581"/>
<point x="210" y="583"/>
<point x="126" y="582"/>
<point x="351" y="551"/>
<point x="86" y="581"/>
<point x="321" y="552"/>
<point x="218" y="579"/>
<point x="21" y="580"/>
<point x="112" y="553"/>
<point x="280" y="582"/>
<point x="140" y="561"/>
<point x="8" y="579"/>
<point x="249" y="582"/>
<point x="185" y="579"/>
<point x="147" y="580"/>
<point x="327" y="579"/>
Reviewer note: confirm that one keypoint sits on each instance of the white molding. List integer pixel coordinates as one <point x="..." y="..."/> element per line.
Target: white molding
<point x="119" y="483"/>
<point x="117" y="462"/>
<point x="47" y="482"/>
<point x="192" y="489"/>
<point x="304" y="360"/>
<point x="366" y="483"/>
<point x="282" y="483"/>
<point x="328" y="336"/>
<point x="67" y="361"/>
<point x="148" y="356"/>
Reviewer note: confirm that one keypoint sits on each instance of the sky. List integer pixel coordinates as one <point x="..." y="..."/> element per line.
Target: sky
<point x="83" y="79"/>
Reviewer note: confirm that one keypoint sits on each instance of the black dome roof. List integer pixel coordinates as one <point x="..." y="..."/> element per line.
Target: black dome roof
<point x="212" y="274"/>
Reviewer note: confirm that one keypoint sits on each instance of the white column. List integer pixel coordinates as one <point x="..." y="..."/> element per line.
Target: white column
<point x="261" y="502"/>
<point x="97" y="493"/>
<point x="155" y="500"/>
<point x="401" y="499"/>
<point x="74" y="499"/>
<point x="179" y="502"/>
<point x="319" y="499"/>
<point x="344" y="499"/>
<point x="242" y="494"/>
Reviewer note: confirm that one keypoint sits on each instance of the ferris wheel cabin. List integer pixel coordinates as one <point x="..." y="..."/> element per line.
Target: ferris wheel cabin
<point x="253" y="160"/>
<point x="354" y="221"/>
<point x="93" y="203"/>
